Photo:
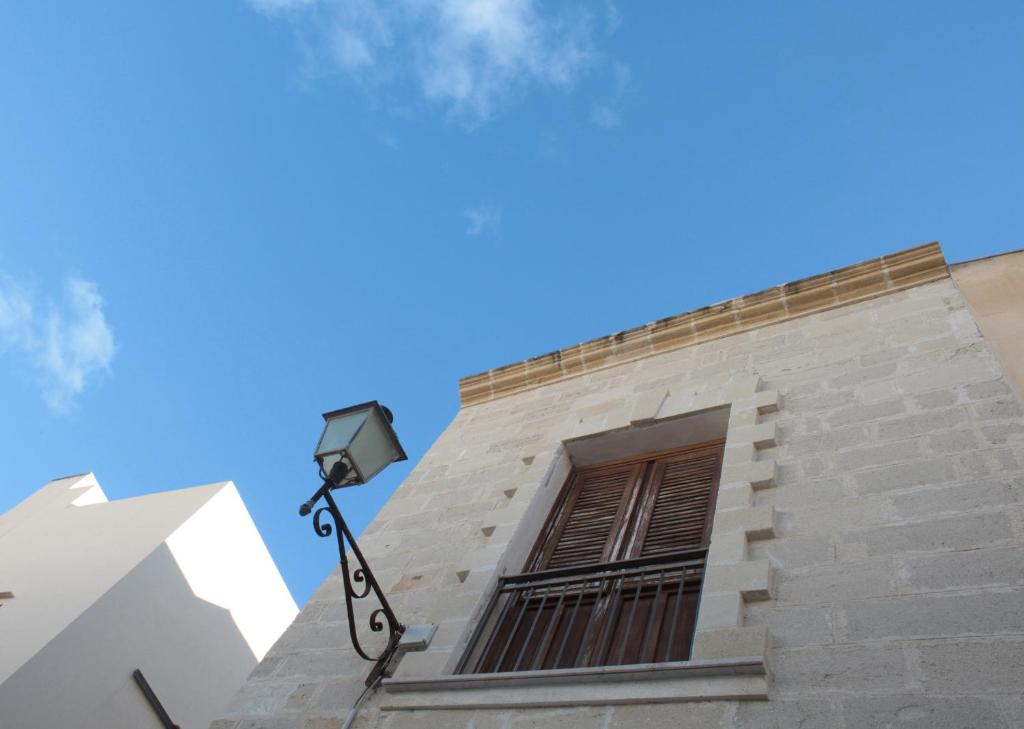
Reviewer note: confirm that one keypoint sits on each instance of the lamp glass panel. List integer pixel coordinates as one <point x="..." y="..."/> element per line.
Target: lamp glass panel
<point x="373" y="447"/>
<point x="339" y="431"/>
<point x="327" y="462"/>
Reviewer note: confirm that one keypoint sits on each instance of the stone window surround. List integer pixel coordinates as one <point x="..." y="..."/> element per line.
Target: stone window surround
<point x="728" y="661"/>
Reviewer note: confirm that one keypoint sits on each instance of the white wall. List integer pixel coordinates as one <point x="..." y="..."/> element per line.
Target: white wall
<point x="179" y="585"/>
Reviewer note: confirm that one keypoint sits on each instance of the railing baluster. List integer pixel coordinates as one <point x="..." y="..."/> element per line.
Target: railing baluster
<point x="515" y="627"/>
<point x="568" y="628"/>
<point x="538" y="659"/>
<point x="675" y="616"/>
<point x="495" y="629"/>
<point x="651" y="617"/>
<point x="533" y="626"/>
<point x="632" y="614"/>
<point x="583" y="652"/>
<point x="608" y="634"/>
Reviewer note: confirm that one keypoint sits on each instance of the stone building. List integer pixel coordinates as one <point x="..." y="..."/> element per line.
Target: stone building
<point x="798" y="508"/>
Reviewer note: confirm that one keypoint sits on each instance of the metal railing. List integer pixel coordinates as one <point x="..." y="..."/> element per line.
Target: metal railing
<point x="634" y="611"/>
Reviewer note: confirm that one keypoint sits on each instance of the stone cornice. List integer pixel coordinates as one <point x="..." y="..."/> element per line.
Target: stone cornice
<point x="862" y="281"/>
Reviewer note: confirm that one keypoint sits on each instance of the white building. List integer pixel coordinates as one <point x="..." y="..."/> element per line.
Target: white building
<point x="177" y="585"/>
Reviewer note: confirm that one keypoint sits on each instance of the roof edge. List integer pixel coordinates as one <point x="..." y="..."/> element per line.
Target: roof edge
<point x="841" y="287"/>
<point x="957" y="264"/>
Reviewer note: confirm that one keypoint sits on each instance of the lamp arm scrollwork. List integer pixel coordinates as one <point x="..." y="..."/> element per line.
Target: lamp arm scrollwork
<point x="381" y="617"/>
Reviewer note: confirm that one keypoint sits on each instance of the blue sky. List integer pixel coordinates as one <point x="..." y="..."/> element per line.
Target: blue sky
<point x="220" y="219"/>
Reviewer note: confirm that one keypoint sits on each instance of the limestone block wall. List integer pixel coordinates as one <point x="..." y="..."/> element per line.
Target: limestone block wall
<point x="867" y="549"/>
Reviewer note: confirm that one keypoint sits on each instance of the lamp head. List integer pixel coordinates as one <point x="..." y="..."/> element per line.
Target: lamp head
<point x="357" y="443"/>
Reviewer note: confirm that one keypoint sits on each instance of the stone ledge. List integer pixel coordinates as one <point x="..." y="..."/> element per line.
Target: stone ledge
<point x="744" y="678"/>
<point x="860" y="282"/>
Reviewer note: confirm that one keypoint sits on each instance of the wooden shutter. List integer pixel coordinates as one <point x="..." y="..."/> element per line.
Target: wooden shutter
<point x="588" y="528"/>
<point x="677" y="509"/>
<point x="626" y="609"/>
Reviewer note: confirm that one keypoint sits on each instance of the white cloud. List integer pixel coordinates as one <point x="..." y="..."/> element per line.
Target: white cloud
<point x="359" y="31"/>
<point x="483" y="220"/>
<point x="471" y="56"/>
<point x="73" y="343"/>
<point x="483" y="50"/>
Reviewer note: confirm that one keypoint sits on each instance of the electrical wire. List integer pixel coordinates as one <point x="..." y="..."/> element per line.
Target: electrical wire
<point x="355" y="707"/>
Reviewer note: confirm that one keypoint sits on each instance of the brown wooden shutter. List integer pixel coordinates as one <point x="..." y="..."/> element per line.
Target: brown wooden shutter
<point x="621" y="608"/>
<point x="678" y="507"/>
<point x="588" y="529"/>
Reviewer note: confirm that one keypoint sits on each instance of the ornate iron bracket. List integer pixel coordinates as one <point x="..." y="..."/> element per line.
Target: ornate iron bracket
<point x="361" y="576"/>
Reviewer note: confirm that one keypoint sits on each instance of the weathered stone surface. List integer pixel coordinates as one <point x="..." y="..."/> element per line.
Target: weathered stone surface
<point x="262" y="697"/>
<point x="836" y="582"/>
<point x="865" y="413"/>
<point x="294" y="721"/>
<point x="996" y="567"/>
<point x="961" y="497"/>
<point x="842" y="668"/>
<point x="730" y="643"/>
<point x="985" y="390"/>
<point x="442" y="719"/>
<point x="1003" y="409"/>
<point x="724" y="610"/>
<point x="763" y="435"/>
<point x="992" y="612"/>
<point x="879" y="455"/>
<point x="789" y="713"/>
<point x="581" y="718"/>
<point x="300" y="697"/>
<point x="755" y="522"/>
<point x="961" y="532"/>
<point x="791" y="626"/>
<point x="954" y="441"/>
<point x="919" y="424"/>
<point x="753" y="580"/>
<point x="671" y="716"/>
<point x="794" y="552"/>
<point x="921" y="711"/>
<point x="973" y="666"/>
<point x="727" y="547"/>
<point x="905" y="475"/>
<point x="759" y="474"/>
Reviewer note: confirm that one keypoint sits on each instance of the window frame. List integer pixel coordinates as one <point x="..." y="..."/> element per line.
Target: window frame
<point x="623" y="547"/>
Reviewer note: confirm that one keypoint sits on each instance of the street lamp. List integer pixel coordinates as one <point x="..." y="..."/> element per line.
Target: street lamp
<point x="357" y="443"/>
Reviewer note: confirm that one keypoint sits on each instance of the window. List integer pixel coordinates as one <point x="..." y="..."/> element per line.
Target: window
<point x="615" y="575"/>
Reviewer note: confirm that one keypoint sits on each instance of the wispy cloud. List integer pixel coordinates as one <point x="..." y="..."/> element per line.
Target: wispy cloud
<point x="271" y="7"/>
<point x="471" y="56"/>
<point x="612" y="17"/>
<point x="16" y="315"/>
<point x="67" y="346"/>
<point x="483" y="220"/>
<point x="609" y="115"/>
<point x="605" y="116"/>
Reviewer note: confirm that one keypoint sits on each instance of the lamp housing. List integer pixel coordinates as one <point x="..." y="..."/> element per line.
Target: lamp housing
<point x="357" y="443"/>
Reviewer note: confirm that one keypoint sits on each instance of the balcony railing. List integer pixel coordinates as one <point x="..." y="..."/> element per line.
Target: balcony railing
<point x="635" y="611"/>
